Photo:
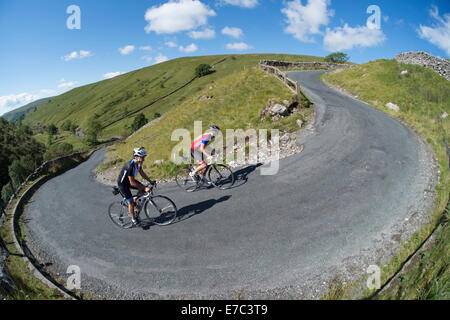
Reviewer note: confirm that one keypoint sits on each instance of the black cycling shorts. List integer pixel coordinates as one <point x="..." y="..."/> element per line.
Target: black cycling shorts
<point x="198" y="155"/>
<point x="125" y="191"/>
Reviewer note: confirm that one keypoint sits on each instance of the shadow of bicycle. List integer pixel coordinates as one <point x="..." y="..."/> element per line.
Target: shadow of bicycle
<point x="198" y="208"/>
<point x="241" y="175"/>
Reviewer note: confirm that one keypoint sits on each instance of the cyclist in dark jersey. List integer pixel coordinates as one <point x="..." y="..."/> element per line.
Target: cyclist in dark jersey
<point x="127" y="180"/>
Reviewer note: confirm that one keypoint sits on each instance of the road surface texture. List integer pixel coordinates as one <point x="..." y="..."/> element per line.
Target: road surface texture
<point x="361" y="185"/>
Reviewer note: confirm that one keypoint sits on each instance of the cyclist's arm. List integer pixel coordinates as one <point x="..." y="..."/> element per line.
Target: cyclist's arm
<point x="136" y="184"/>
<point x="144" y="175"/>
<point x="202" y="150"/>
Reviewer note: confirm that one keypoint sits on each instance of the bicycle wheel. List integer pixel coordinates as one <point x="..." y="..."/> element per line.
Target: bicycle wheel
<point x="160" y="210"/>
<point x="185" y="181"/>
<point x="221" y="176"/>
<point x="118" y="212"/>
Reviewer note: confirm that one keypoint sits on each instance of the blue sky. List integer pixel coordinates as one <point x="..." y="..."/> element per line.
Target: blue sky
<point x="40" y="56"/>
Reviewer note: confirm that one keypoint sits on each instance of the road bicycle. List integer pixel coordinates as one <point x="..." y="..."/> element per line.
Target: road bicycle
<point x="158" y="209"/>
<point x="219" y="175"/>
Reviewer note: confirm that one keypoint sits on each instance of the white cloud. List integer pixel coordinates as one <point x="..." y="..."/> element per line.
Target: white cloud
<point x="14" y="101"/>
<point x="66" y="84"/>
<point x="145" y="48"/>
<point x="84" y="54"/>
<point x="239" y="46"/>
<point x="345" y="38"/>
<point x="48" y="92"/>
<point x="305" y="21"/>
<point x="77" y="55"/>
<point x="171" y="44"/>
<point x="205" y="34"/>
<point x="160" y="58"/>
<point x="126" y="50"/>
<point x="110" y="75"/>
<point x="147" y="58"/>
<point x="176" y="16"/>
<point x="439" y="34"/>
<point x="243" y="3"/>
<point x="233" y="32"/>
<point x="190" y="48"/>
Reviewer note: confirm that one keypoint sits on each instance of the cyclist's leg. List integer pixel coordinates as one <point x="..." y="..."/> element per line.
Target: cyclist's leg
<point x="126" y="192"/>
<point x="199" y="157"/>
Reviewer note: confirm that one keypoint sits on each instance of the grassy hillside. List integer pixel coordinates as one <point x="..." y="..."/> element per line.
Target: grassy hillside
<point x="119" y="97"/>
<point x="422" y="96"/>
<point x="16" y="114"/>
<point x="236" y="103"/>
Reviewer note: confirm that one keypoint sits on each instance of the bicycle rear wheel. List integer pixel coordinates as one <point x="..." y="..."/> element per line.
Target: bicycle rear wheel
<point x="118" y="212"/>
<point x="221" y="176"/>
<point x="185" y="181"/>
<point x="160" y="210"/>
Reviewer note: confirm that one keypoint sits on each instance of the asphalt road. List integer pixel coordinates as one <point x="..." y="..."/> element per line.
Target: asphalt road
<point x="358" y="188"/>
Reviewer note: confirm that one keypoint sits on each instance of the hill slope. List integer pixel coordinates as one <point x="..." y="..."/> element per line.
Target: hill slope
<point x="118" y="98"/>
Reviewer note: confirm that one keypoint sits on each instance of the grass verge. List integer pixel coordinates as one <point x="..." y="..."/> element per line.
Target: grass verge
<point x="28" y="286"/>
<point x="422" y="96"/>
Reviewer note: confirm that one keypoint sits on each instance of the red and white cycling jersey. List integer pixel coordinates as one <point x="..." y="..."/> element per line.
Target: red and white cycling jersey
<point x="203" y="139"/>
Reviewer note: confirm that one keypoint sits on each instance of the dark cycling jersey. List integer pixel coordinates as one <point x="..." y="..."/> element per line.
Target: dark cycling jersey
<point x="129" y="169"/>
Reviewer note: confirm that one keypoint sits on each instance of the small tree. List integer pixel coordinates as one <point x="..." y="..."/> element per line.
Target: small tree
<point x="7" y="192"/>
<point x="93" y="129"/>
<point x="66" y="125"/>
<point x="139" y="121"/>
<point x="73" y="128"/>
<point x="337" y="57"/>
<point x="52" y="129"/>
<point x="58" y="150"/>
<point x="17" y="173"/>
<point x="203" y="70"/>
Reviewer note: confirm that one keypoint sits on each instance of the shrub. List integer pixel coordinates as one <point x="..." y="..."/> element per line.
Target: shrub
<point x="7" y="192"/>
<point x="139" y="121"/>
<point x="203" y="70"/>
<point x="52" y="129"/>
<point x="58" y="150"/>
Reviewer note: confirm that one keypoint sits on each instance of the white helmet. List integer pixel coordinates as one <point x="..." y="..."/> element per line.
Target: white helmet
<point x="140" y="152"/>
<point x="214" y="129"/>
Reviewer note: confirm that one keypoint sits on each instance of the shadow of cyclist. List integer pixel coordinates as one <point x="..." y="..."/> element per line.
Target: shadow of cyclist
<point x="195" y="209"/>
<point x="241" y="175"/>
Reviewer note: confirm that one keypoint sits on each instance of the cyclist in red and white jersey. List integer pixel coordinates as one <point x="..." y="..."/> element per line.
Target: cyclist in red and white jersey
<point x="198" y="151"/>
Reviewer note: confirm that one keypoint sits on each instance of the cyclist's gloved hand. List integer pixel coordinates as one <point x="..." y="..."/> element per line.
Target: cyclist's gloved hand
<point x="148" y="189"/>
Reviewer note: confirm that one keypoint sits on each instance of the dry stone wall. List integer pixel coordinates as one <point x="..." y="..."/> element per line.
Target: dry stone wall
<point x="426" y="60"/>
<point x="314" y="65"/>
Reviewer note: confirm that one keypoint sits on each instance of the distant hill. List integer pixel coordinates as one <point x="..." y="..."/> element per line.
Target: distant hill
<point x="16" y="114"/>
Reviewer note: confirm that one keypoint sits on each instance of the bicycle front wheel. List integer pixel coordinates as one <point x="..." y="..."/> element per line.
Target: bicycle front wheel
<point x="185" y="181"/>
<point x="118" y="212"/>
<point x="221" y="176"/>
<point x="160" y="210"/>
